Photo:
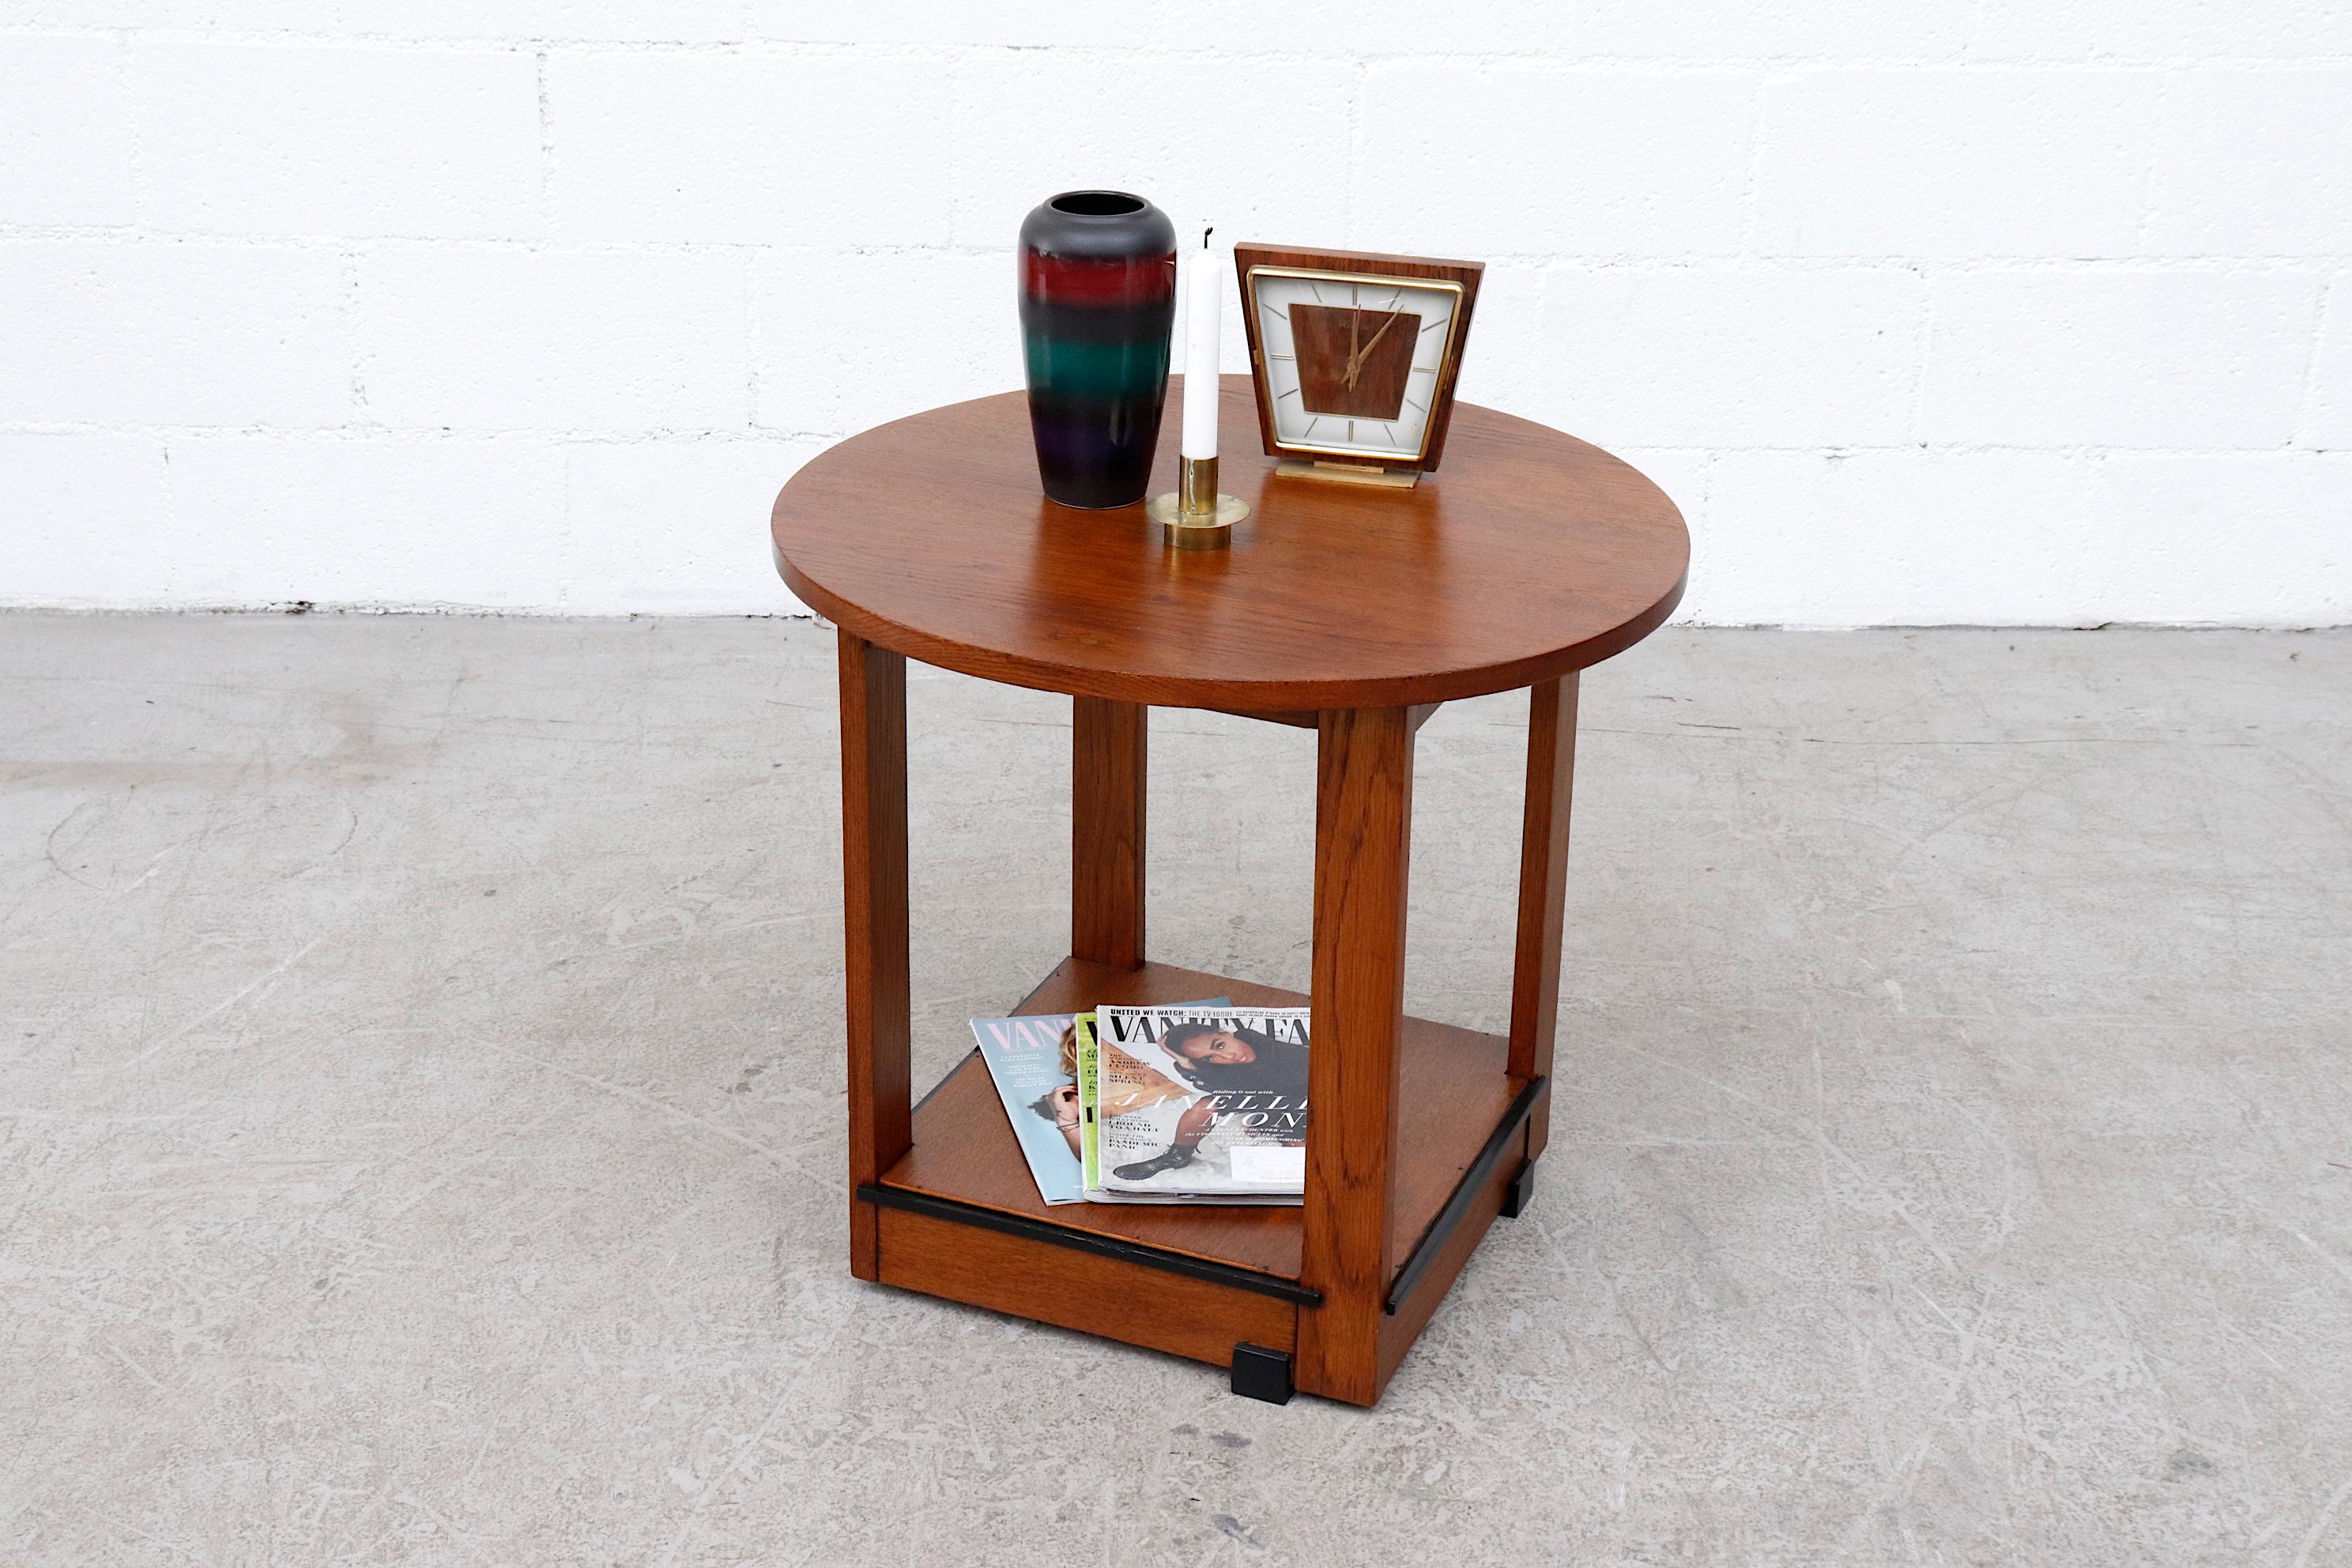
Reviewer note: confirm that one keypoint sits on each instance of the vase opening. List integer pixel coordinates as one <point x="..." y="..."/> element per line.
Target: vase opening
<point x="1097" y="204"/>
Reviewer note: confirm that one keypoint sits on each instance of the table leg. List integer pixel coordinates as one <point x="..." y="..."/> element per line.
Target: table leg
<point x="1363" y="820"/>
<point x="874" y="902"/>
<point x="1108" y="758"/>
<point x="1543" y="885"/>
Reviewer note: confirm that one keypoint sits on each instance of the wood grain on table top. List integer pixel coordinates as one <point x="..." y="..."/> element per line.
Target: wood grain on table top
<point x="1530" y="553"/>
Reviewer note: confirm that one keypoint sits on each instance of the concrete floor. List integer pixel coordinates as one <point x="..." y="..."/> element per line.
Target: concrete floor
<point x="421" y="1126"/>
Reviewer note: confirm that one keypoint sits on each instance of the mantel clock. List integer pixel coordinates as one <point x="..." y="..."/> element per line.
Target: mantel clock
<point x="1355" y="356"/>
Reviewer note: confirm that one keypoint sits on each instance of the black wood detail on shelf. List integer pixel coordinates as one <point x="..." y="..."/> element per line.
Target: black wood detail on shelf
<point x="1262" y="1373"/>
<point x="1053" y="1234"/>
<point x="1465" y="1192"/>
<point x="1521" y="1192"/>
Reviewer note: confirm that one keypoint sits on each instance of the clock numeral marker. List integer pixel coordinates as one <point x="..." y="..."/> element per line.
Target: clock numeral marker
<point x="1437" y="323"/>
<point x="1292" y="393"/>
<point x="1417" y="369"/>
<point x="1281" y="356"/>
<point x="1423" y="407"/>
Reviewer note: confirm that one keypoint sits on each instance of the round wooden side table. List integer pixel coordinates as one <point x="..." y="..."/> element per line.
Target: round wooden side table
<point x="1350" y="610"/>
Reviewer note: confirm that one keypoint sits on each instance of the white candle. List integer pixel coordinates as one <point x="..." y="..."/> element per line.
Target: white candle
<point x="1204" y="298"/>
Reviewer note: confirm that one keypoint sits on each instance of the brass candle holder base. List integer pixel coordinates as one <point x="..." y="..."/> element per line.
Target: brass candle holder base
<point x="1195" y="515"/>
<point x="1182" y="530"/>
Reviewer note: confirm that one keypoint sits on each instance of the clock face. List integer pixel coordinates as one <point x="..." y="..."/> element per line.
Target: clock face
<point x="1353" y="363"/>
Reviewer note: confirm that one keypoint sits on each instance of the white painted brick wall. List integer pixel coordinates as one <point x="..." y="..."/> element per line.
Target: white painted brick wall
<point x="66" y="147"/>
<point x="172" y="334"/>
<point x="1955" y="164"/>
<point x="2327" y="414"/>
<point x="2123" y="358"/>
<point x="752" y="149"/>
<point x="437" y="144"/>
<point x="1730" y="356"/>
<point x="1530" y="158"/>
<point x="555" y="339"/>
<point x="1984" y="310"/>
<point x="267" y="518"/>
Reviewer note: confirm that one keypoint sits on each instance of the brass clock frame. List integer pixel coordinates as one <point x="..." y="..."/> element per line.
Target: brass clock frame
<point x="1461" y="279"/>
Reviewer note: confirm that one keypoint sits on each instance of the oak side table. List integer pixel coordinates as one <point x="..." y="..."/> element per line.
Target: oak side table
<point x="1352" y="611"/>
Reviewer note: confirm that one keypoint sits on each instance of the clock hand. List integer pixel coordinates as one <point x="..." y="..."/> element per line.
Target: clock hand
<point x="1356" y="360"/>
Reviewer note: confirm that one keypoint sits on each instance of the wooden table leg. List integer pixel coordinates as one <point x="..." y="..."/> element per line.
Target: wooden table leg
<point x="1363" y="821"/>
<point x="1108" y="764"/>
<point x="1543" y="885"/>
<point x="874" y="903"/>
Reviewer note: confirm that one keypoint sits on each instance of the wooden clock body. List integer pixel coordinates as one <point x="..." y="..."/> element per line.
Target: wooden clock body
<point x="1322" y="333"/>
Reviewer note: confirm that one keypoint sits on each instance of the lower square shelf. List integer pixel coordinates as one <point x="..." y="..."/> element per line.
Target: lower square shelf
<point x="1456" y="1101"/>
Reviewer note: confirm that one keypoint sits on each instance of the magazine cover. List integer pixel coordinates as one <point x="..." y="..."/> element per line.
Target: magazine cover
<point x="1134" y="1087"/>
<point x="1199" y="1103"/>
<point x="1033" y="1062"/>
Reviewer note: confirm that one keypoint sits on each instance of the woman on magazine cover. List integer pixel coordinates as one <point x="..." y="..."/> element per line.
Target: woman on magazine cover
<point x="1242" y="1069"/>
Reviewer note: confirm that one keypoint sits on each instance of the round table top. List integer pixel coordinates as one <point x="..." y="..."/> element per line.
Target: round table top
<point x="1528" y="554"/>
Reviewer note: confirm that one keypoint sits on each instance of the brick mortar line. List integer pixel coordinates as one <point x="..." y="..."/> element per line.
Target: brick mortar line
<point x="1564" y="57"/>
<point x="447" y="436"/>
<point x="2307" y="398"/>
<point x="1923" y="357"/>
<point x="360" y="432"/>
<point x="347" y="316"/>
<point x="1355" y="150"/>
<point x="1751" y="194"/>
<point x="129" y="237"/>
<point x="2151" y="179"/>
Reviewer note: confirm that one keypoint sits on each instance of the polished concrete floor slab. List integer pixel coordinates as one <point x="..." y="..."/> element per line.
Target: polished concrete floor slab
<point x="421" y="1111"/>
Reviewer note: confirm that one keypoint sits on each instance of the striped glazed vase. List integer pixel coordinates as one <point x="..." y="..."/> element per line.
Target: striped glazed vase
<point x="1098" y="296"/>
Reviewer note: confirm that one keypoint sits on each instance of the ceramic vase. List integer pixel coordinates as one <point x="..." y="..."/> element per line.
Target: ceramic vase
<point x="1098" y="296"/>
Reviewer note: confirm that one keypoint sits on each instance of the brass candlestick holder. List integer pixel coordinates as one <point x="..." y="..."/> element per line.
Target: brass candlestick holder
<point x="1194" y="515"/>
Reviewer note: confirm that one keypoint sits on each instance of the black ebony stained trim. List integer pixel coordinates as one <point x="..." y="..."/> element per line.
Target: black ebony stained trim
<point x="1263" y="1373"/>
<point x="1520" y="1192"/>
<point x="1029" y="1229"/>
<point x="1465" y="1192"/>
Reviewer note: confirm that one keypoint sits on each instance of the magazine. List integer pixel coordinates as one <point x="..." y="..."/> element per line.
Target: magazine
<point x="1089" y="1147"/>
<point x="1196" y="1104"/>
<point x="1134" y="1087"/>
<point x="1033" y="1061"/>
